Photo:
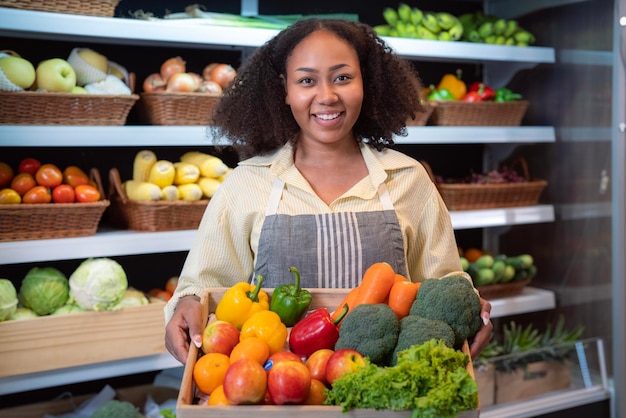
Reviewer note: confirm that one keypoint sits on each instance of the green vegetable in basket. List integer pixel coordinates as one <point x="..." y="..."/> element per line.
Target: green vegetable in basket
<point x="98" y="284"/>
<point x="8" y="299"/>
<point x="440" y="94"/>
<point x="504" y="94"/>
<point x="44" y="290"/>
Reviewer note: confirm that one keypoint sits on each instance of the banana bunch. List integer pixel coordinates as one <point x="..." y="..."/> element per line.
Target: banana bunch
<point x="196" y="176"/>
<point x="411" y="22"/>
<point x="478" y="27"/>
<point x="488" y="270"/>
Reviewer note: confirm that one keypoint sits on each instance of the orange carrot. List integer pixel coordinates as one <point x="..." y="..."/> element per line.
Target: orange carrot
<point x="376" y="284"/>
<point x="349" y="300"/>
<point x="401" y="297"/>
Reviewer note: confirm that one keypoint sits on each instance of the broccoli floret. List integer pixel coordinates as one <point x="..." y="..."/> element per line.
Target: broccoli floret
<point x="417" y="330"/>
<point x="372" y="330"/>
<point x="451" y="300"/>
<point x="117" y="409"/>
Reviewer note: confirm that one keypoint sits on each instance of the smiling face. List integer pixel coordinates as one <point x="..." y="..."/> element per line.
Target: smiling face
<point x="324" y="88"/>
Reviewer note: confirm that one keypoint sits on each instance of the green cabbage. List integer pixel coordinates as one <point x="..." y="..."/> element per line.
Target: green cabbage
<point x="44" y="290"/>
<point x="70" y="308"/>
<point x="98" y="284"/>
<point x="132" y="297"/>
<point x="23" y="313"/>
<point x="8" y="299"/>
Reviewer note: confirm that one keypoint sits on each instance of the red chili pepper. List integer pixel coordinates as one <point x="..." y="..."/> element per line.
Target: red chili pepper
<point x="484" y="91"/>
<point x="315" y="331"/>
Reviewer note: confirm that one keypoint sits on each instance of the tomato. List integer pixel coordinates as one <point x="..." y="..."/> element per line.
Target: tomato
<point x="86" y="193"/>
<point x="170" y="285"/>
<point x="74" y="176"/>
<point x="49" y="175"/>
<point x="29" y="165"/>
<point x="63" y="193"/>
<point x="159" y="294"/>
<point x="23" y="182"/>
<point x="38" y="194"/>
<point x="9" y="196"/>
<point x="6" y="174"/>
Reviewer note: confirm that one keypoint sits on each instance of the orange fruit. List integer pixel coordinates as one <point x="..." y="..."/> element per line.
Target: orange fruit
<point x="6" y="175"/>
<point x="218" y="398"/>
<point x="209" y="371"/>
<point x="254" y="348"/>
<point x="316" y="394"/>
<point x="473" y="254"/>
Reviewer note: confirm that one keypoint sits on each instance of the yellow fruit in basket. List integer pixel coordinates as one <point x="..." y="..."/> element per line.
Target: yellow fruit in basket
<point x="162" y="173"/>
<point x="142" y="164"/>
<point x="210" y="165"/>
<point x="186" y="173"/>
<point x="190" y="191"/>
<point x="209" y="186"/>
<point x="9" y="196"/>
<point x="95" y="59"/>
<point x="142" y="190"/>
<point x="170" y="193"/>
<point x="223" y="176"/>
<point x="17" y="70"/>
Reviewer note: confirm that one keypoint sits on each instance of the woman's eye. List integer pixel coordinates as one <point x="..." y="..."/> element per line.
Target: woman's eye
<point x="343" y="78"/>
<point x="306" y="81"/>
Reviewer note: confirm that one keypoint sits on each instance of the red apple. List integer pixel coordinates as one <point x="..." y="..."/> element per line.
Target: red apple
<point x="245" y="382"/>
<point x="343" y="361"/>
<point x="289" y="382"/>
<point x="219" y="337"/>
<point x="317" y="362"/>
<point x="281" y="356"/>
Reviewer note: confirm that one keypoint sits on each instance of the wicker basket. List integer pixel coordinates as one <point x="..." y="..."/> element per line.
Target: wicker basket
<point x="165" y="108"/>
<point x="421" y="118"/>
<point x="29" y="221"/>
<point x="502" y="290"/>
<point x="105" y="8"/>
<point x="459" y="113"/>
<point x="463" y="196"/>
<point x="151" y="215"/>
<point x="44" y="108"/>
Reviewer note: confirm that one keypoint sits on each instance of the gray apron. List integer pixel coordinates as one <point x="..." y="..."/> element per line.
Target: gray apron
<point x="331" y="250"/>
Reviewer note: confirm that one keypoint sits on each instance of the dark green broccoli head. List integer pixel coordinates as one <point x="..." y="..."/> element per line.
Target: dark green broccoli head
<point x="372" y="330"/>
<point x="117" y="409"/>
<point x="417" y="330"/>
<point x="451" y="300"/>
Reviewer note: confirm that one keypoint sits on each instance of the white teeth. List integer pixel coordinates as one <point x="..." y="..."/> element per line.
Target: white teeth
<point x="328" y="117"/>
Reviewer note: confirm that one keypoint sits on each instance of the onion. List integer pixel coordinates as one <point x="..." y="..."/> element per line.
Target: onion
<point x="210" y="88"/>
<point x="222" y="74"/>
<point x="206" y="72"/>
<point x="173" y="66"/>
<point x="196" y="77"/>
<point x="182" y="82"/>
<point x="154" y="82"/>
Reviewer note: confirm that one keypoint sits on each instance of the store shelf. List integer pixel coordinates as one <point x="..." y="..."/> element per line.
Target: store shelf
<point x="531" y="299"/>
<point x="124" y="242"/>
<point x="131" y="136"/>
<point x="95" y="371"/>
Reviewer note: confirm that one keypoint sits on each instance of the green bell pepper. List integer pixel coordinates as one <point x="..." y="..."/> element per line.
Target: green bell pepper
<point x="504" y="94"/>
<point x="440" y="94"/>
<point x="290" y="301"/>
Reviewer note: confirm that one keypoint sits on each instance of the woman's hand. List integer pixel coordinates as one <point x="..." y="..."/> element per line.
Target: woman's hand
<point x="185" y="322"/>
<point x="482" y="337"/>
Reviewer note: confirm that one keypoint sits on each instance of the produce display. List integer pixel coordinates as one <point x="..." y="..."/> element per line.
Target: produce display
<point x="84" y="71"/>
<point x="196" y="176"/>
<point x="173" y="76"/>
<point x="411" y="22"/>
<point x="486" y="269"/>
<point x="452" y="87"/>
<point x="342" y="357"/>
<point x="34" y="182"/>
<point x="97" y="284"/>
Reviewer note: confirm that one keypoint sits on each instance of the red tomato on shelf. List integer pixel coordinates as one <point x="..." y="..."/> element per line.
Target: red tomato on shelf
<point x="86" y="193"/>
<point x="38" y="194"/>
<point x="29" y="165"/>
<point x="6" y="175"/>
<point x="49" y="175"/>
<point x="63" y="193"/>
<point x="74" y="176"/>
<point x="23" y="182"/>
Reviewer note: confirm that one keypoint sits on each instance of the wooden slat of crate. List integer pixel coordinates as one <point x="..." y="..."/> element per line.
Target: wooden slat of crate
<point x="60" y="341"/>
<point x="322" y="298"/>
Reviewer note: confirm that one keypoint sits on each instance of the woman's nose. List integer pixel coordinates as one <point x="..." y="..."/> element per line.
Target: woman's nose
<point x="326" y="94"/>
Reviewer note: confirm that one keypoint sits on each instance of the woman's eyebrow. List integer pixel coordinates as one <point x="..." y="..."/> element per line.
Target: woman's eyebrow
<point x="313" y="70"/>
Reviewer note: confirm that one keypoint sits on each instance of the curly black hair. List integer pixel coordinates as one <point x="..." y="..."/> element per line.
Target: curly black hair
<point x="252" y="114"/>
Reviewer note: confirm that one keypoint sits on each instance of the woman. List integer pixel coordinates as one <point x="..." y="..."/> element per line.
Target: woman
<point x="315" y="109"/>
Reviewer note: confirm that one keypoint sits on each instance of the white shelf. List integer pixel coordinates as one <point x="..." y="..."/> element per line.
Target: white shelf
<point x="123" y="242"/>
<point x="95" y="371"/>
<point x="130" y="136"/>
<point x="531" y="299"/>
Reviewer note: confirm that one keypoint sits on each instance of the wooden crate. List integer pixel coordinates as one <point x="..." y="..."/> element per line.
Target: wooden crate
<point x="322" y="298"/>
<point x="60" y="341"/>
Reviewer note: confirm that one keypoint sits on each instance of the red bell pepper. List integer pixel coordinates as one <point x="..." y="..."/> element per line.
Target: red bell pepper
<point x="484" y="91"/>
<point x="315" y="331"/>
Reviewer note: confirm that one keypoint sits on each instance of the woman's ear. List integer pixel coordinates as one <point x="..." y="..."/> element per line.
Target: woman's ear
<point x="284" y="82"/>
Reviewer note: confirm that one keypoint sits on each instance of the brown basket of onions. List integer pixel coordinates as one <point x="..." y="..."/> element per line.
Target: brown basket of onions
<point x="176" y="96"/>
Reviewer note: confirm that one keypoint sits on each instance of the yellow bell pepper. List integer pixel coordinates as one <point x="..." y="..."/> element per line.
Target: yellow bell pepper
<point x="454" y="84"/>
<point x="267" y="326"/>
<point x="241" y="301"/>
